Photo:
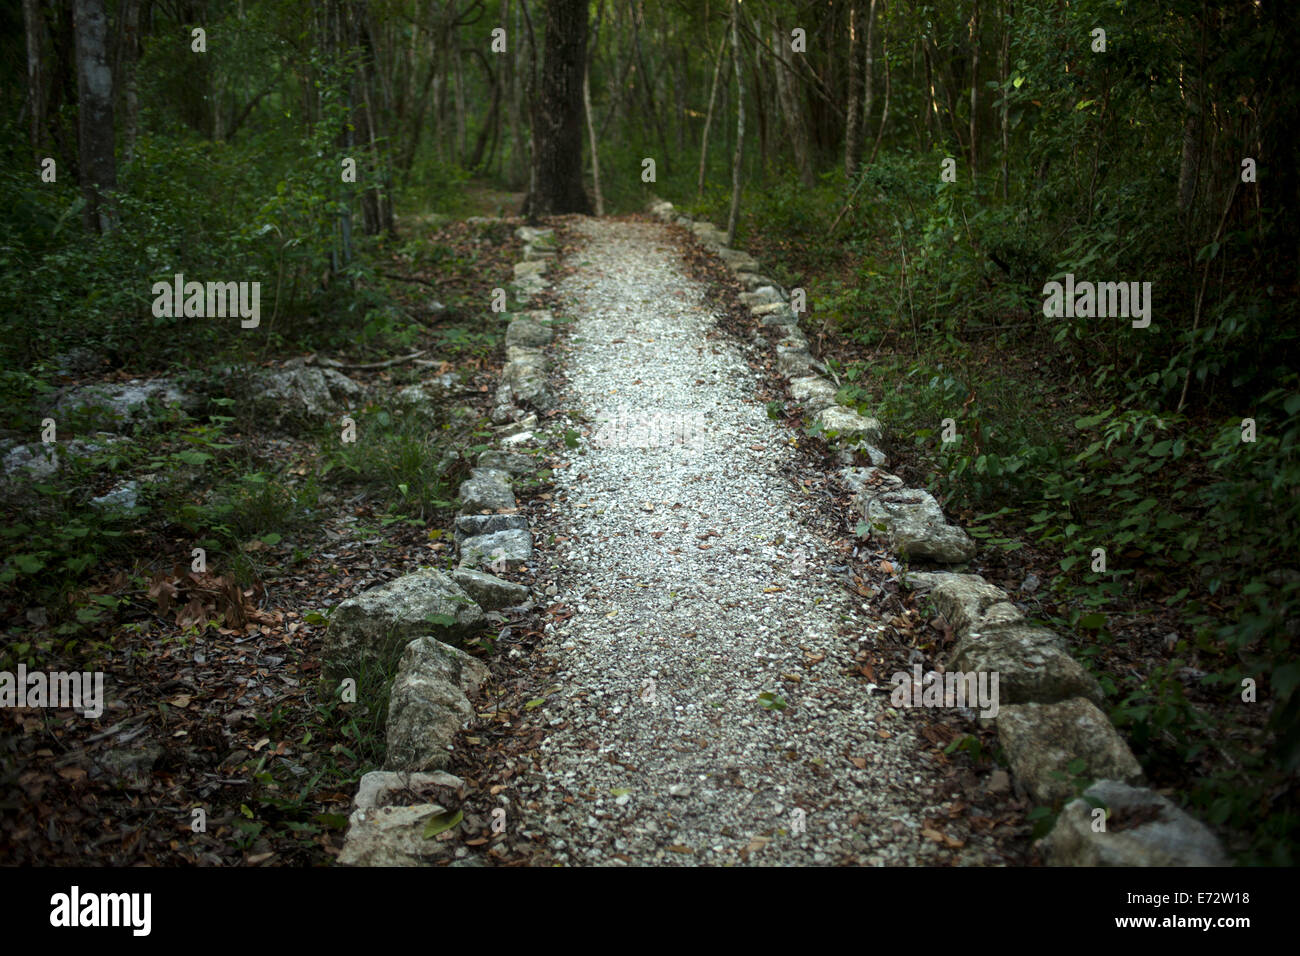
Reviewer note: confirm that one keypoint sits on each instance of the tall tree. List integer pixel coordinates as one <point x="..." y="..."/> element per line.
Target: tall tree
<point x="853" y="116"/>
<point x="708" y="116"/>
<point x="558" y="113"/>
<point x="98" y="166"/>
<point x="740" y="124"/>
<point x="35" y="25"/>
<point x="791" y="106"/>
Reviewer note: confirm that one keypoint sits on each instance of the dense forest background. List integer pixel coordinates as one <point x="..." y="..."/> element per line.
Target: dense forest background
<point x="921" y="169"/>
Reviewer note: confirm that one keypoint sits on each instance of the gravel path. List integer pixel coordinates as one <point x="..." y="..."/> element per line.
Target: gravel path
<point x="695" y="589"/>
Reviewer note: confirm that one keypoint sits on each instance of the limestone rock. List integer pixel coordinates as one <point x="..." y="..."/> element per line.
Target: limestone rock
<point x="391" y="836"/>
<point x="429" y="703"/>
<point x="504" y="550"/>
<point x="523" y="379"/>
<point x="1030" y="663"/>
<point x="849" y="425"/>
<point x="533" y="233"/>
<point x="792" y="339"/>
<point x="486" y="490"/>
<point x="1142" y="829"/>
<point x="775" y="313"/>
<point x="1043" y="739"/>
<point x="709" y="234"/>
<point x="489" y="592"/>
<point x="913" y="524"/>
<point x="962" y="599"/>
<point x="113" y="405"/>
<point x="530" y="330"/>
<point x="765" y="295"/>
<point x="868" y="482"/>
<point x="469" y="526"/>
<point x="813" y="392"/>
<point x="38" y="461"/>
<point x="511" y="462"/>
<point x="374" y="626"/>
<point x="124" y="496"/>
<point x="384" y="788"/>
<point x="794" y="363"/>
<point x="750" y="281"/>
<point x="737" y="260"/>
<point x="300" y="394"/>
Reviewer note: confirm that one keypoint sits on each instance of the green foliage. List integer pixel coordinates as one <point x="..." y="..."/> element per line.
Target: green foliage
<point x="403" y="458"/>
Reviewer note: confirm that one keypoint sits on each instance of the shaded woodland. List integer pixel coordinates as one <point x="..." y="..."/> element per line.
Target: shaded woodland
<point x="921" y="170"/>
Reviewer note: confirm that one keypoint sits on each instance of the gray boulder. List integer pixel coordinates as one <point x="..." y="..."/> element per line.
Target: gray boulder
<point x="1142" y="828"/>
<point x="765" y="295"/>
<point x="533" y="234"/>
<point x="914" y="526"/>
<point x="126" y="403"/>
<point x="374" y="626"/>
<point x="529" y="270"/>
<point x="523" y="379"/>
<point x="848" y="425"/>
<point x="124" y="496"/>
<point x="389" y="815"/>
<point x="489" y="592"/>
<point x="1042" y="740"/>
<point x="868" y="482"/>
<point x="512" y="462"/>
<point x="709" y="234"/>
<point x="392" y="836"/>
<point x="499" y="550"/>
<point x="469" y="526"/>
<point x="486" y="490"/>
<point x="530" y="330"/>
<point x="750" y="281"/>
<point x="962" y="599"/>
<point x="300" y="394"/>
<point x="775" y="314"/>
<point x="1030" y="663"/>
<point x="813" y="392"/>
<point x="793" y="362"/>
<point x="429" y="703"/>
<point x="737" y="260"/>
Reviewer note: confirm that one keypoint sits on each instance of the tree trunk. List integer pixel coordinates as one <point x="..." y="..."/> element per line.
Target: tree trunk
<point x="889" y="87"/>
<point x="516" y="99"/>
<point x="853" y="111"/>
<point x="129" y="53"/>
<point x="458" y="76"/>
<point x="647" y="85"/>
<point x="94" y="114"/>
<point x="974" y="87"/>
<point x="34" y="23"/>
<point x="559" y="112"/>
<point x="480" y="144"/>
<point x="708" y="116"/>
<point x="790" y="111"/>
<point x="760" y="113"/>
<point x="932" y="112"/>
<point x="869" y="70"/>
<point x="591" y="135"/>
<point x="376" y="204"/>
<point x="734" y="214"/>
<point x="1004" y="75"/>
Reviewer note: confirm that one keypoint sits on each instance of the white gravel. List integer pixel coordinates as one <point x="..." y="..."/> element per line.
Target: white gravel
<point x="701" y="774"/>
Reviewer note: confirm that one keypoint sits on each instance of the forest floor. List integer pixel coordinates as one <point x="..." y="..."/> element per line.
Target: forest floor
<point x="719" y="646"/>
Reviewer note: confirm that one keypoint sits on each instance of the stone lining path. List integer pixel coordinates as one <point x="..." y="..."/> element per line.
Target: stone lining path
<point x="696" y="589"/>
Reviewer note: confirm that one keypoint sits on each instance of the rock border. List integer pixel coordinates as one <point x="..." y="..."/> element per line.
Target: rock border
<point x="1052" y="718"/>
<point x="429" y="701"/>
